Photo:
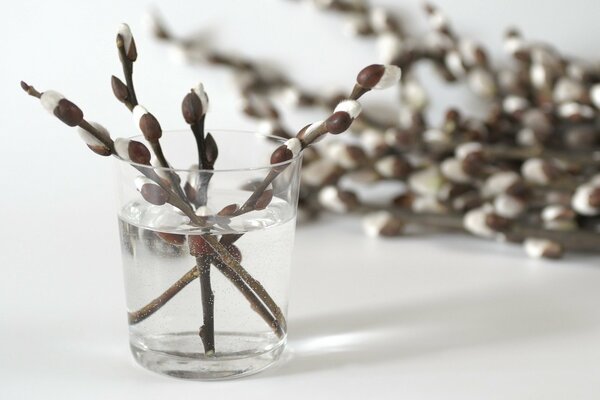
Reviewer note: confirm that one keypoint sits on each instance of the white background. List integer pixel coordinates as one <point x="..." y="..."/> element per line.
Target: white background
<point x="413" y="318"/>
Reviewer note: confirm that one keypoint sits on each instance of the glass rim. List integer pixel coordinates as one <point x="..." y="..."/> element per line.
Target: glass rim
<point x="140" y="138"/>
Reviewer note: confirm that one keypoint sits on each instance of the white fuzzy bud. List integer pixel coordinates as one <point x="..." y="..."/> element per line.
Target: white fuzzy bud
<point x="266" y="127"/>
<point x="137" y="114"/>
<point x="125" y="32"/>
<point x="382" y="223"/>
<point x="498" y="182"/>
<point x="474" y="221"/>
<point x="427" y="204"/>
<point x="90" y="139"/>
<point x="294" y="145"/>
<point x="50" y="100"/>
<point x="122" y="148"/>
<point x="386" y="166"/>
<point x="467" y="49"/>
<point x="512" y="104"/>
<point x="391" y="76"/>
<point x="481" y="81"/>
<point x="558" y="217"/>
<point x="566" y="90"/>
<point x="352" y="107"/>
<point x="329" y="198"/>
<point x="438" y="20"/>
<point x="533" y="171"/>
<point x="526" y="137"/>
<point x="414" y="95"/>
<point x="318" y="172"/>
<point x="436" y="136"/>
<point x="201" y="93"/>
<point x="508" y="206"/>
<point x="595" y="95"/>
<point x="371" y="140"/>
<point x="426" y="182"/>
<point x="463" y="150"/>
<point x="538" y="248"/>
<point x="355" y="24"/>
<point x="454" y="63"/>
<point x="291" y="96"/>
<point x="452" y="169"/>
<point x="338" y="152"/>
<point x="512" y="44"/>
<point x="378" y="18"/>
<point x="539" y="76"/>
<point x="572" y="109"/>
<point x="389" y="46"/>
<point x="581" y="200"/>
<point x="204" y="211"/>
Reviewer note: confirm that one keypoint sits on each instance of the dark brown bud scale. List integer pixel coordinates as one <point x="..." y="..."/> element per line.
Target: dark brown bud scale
<point x="369" y="76"/>
<point x="301" y="132"/>
<point x="150" y="127"/>
<point x="338" y="122"/>
<point x="473" y="163"/>
<point x="519" y="189"/>
<point x="139" y="153"/>
<point x="350" y="199"/>
<point x="211" y="150"/>
<point x="401" y="168"/>
<point x="172" y="238"/>
<point x="191" y="108"/>
<point x="595" y="198"/>
<point x="190" y="192"/>
<point x="393" y="227"/>
<point x="119" y="89"/>
<point x="356" y="153"/>
<point x="199" y="246"/>
<point x="154" y="194"/>
<point x="131" y="55"/>
<point x="264" y="200"/>
<point x="404" y="200"/>
<point x="553" y="251"/>
<point x="551" y="171"/>
<point x="281" y="154"/>
<point x="228" y="210"/>
<point x="68" y="113"/>
<point x="497" y="223"/>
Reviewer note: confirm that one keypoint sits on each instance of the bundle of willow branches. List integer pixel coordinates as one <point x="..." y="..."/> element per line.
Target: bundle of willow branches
<point x="164" y="186"/>
<point x="527" y="172"/>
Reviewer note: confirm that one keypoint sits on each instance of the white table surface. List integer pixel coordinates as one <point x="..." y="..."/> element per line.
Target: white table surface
<point x="414" y="318"/>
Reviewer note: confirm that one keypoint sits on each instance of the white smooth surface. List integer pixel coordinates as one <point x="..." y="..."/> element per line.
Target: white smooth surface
<point x="413" y="318"/>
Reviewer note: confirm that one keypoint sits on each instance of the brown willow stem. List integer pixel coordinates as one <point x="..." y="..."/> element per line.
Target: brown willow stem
<point x="257" y="306"/>
<point x="179" y="202"/>
<point x="577" y="240"/>
<point x="137" y="316"/>
<point x="251" y="202"/>
<point x="127" y="65"/>
<point x="207" y="331"/>
<point x="255" y="303"/>
<point x="254" y="284"/>
<point x="172" y="176"/>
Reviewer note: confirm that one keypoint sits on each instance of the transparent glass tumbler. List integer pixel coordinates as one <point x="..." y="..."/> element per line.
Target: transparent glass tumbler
<point x="207" y="273"/>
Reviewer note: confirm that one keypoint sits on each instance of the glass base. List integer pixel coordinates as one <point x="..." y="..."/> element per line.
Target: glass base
<point x="156" y="354"/>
